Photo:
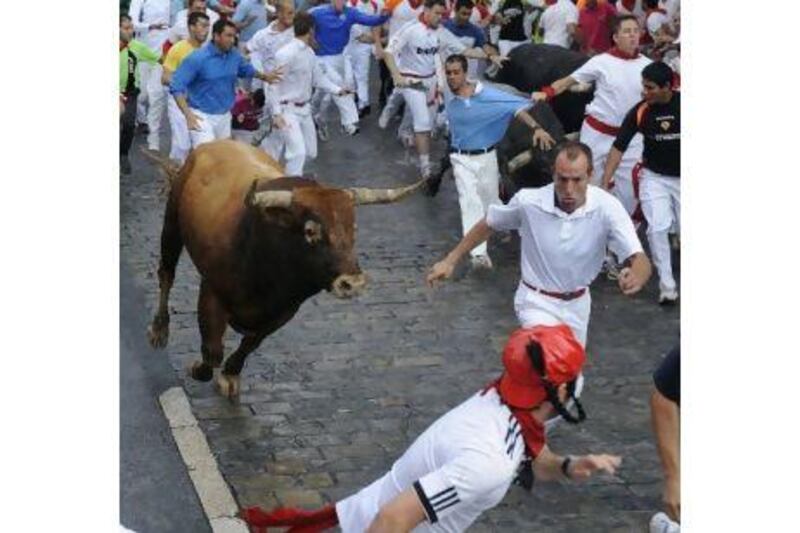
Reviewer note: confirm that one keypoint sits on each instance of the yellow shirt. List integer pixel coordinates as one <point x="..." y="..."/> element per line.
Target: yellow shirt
<point x="177" y="53"/>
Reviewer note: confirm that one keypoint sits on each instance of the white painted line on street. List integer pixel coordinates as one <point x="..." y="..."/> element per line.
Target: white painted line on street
<point x="215" y="495"/>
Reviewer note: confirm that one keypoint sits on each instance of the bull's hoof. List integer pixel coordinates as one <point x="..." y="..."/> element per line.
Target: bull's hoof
<point x="201" y="371"/>
<point x="158" y="333"/>
<point x="228" y="386"/>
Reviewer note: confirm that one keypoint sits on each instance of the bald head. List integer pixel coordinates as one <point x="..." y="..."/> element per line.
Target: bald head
<point x="285" y="9"/>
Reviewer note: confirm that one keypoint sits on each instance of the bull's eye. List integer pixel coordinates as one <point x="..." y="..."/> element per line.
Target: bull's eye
<point x="313" y="232"/>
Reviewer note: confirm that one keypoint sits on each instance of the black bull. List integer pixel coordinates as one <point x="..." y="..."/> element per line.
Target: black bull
<point x="531" y="67"/>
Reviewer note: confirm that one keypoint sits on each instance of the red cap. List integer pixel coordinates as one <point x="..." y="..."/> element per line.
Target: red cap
<point x="563" y="355"/>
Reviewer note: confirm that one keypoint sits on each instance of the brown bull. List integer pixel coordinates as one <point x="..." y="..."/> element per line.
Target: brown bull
<point x="262" y="243"/>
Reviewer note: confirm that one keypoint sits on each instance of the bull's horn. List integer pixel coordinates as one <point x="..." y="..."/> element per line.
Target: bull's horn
<point x="272" y="199"/>
<point x="363" y="196"/>
<point x="520" y="160"/>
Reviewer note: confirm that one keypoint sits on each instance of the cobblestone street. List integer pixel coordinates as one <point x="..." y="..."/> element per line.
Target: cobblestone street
<point x="333" y="397"/>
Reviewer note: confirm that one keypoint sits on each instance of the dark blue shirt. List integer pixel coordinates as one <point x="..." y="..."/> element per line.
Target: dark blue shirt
<point x="467" y="30"/>
<point x="332" y="29"/>
<point x="208" y="77"/>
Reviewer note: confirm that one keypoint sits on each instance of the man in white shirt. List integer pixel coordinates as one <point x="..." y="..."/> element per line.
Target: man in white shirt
<point x="466" y="461"/>
<point x="617" y="76"/>
<point x="266" y="43"/>
<point x="180" y="30"/>
<point x="294" y="132"/>
<point x="564" y="230"/>
<point x="151" y="22"/>
<point x="559" y="22"/>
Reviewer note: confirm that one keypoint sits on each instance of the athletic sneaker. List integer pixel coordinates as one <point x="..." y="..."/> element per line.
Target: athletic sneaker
<point x="481" y="262"/>
<point x="385" y="117"/>
<point x="322" y="130"/>
<point x="668" y="296"/>
<point x="351" y="129"/>
<point x="660" y="523"/>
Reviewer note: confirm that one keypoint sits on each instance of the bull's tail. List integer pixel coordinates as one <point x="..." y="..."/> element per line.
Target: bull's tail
<point x="168" y="168"/>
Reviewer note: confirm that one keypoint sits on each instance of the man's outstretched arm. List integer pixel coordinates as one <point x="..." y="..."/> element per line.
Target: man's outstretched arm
<point x="400" y="515"/>
<point x="444" y="268"/>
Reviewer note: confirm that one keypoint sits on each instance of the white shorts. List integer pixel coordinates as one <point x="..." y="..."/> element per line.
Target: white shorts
<point x="536" y="309"/>
<point x="417" y="102"/>
<point x="212" y="127"/>
<point x="661" y="200"/>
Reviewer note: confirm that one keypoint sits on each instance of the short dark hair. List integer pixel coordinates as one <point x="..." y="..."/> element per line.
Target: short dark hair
<point x="460" y="4"/>
<point x="303" y="23"/>
<point x="619" y="19"/>
<point x="458" y="58"/>
<point x="259" y="98"/>
<point x="572" y="150"/>
<point x="124" y="18"/>
<point x="190" y="2"/>
<point x="652" y="4"/>
<point x="659" y="73"/>
<point x="195" y="16"/>
<point x="430" y="3"/>
<point x="219" y="26"/>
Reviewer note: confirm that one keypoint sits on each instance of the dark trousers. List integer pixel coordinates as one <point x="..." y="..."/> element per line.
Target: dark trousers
<point x="127" y="123"/>
<point x="387" y="84"/>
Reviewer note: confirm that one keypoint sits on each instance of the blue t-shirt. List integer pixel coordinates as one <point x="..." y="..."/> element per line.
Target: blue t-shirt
<point x="481" y="120"/>
<point x="208" y="76"/>
<point x="332" y="29"/>
<point x="467" y="30"/>
<point x="247" y="9"/>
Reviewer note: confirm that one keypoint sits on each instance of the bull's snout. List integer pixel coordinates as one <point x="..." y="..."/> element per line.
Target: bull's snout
<point x="348" y="285"/>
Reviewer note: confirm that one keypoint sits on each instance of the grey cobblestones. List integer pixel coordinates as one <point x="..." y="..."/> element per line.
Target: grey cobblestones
<point x="330" y="400"/>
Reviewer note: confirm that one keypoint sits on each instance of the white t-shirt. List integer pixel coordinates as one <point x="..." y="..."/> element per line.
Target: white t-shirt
<point x="415" y="47"/>
<point x="180" y="30"/>
<point x="370" y="7"/>
<point x="265" y="44"/>
<point x="144" y="13"/>
<point x="461" y="466"/>
<point x="301" y="73"/>
<point x="564" y="252"/>
<point x="618" y="85"/>
<point x="554" y="23"/>
<point x="401" y="14"/>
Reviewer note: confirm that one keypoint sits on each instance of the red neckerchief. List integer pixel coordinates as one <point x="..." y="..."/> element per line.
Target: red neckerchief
<point x="532" y="429"/>
<point x="656" y="10"/>
<point x="413" y="4"/>
<point x="629" y="4"/>
<point x="616" y="52"/>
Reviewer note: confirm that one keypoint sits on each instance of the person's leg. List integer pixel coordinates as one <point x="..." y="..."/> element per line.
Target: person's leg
<point x="222" y="126"/>
<point x="417" y="104"/>
<point x="157" y="96"/>
<point x="390" y="108"/>
<point x="623" y="177"/>
<point x="309" y="132"/>
<point x="466" y="175"/>
<point x="127" y="124"/>
<point x="295" y="152"/>
<point x="658" y="211"/>
<point x="346" y="104"/>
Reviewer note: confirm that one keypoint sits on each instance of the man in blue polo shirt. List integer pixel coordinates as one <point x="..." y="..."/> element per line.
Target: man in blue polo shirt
<point x="478" y="117"/>
<point x="471" y="35"/>
<point x="333" y="23"/>
<point x="204" y="84"/>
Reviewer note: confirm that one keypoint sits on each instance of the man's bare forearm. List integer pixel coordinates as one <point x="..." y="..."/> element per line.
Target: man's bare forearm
<point x="526" y="118"/>
<point x="475" y="236"/>
<point x="612" y="164"/>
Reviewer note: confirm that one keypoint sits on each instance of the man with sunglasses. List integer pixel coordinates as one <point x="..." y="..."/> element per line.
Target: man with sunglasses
<point x="466" y="461"/>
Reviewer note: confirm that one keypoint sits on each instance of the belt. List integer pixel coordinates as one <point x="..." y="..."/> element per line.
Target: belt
<point x="602" y="127"/>
<point x="566" y="296"/>
<point x="478" y="151"/>
<point x="296" y="104"/>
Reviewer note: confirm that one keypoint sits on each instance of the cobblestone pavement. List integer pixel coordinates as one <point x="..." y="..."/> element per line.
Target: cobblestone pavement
<point x="331" y="399"/>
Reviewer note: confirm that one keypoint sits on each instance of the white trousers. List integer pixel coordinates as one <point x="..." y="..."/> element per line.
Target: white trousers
<point x="417" y="104"/>
<point x="661" y="205"/>
<point x="150" y="82"/>
<point x="243" y="136"/>
<point x="600" y="143"/>
<point x="180" y="143"/>
<point x="297" y="142"/>
<point x="212" y="127"/>
<point x="477" y="182"/>
<point x="536" y="309"/>
<point x="340" y="72"/>
<point x="360" y="56"/>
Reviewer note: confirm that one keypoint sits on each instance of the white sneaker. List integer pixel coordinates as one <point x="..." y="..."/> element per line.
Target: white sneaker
<point x="481" y="262"/>
<point x="660" y="523"/>
<point x="668" y="296"/>
<point x="351" y="129"/>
